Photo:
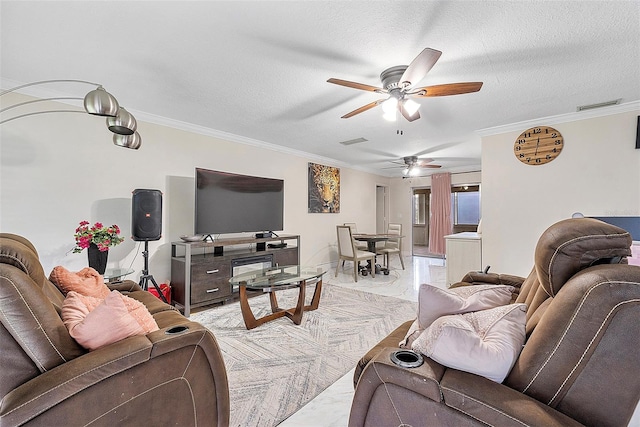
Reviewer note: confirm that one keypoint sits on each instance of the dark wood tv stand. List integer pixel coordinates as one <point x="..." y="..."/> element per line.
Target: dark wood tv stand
<point x="200" y="271"/>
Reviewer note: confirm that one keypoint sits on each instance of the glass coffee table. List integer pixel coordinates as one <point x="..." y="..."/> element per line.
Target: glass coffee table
<point x="272" y="279"/>
<point x="113" y="275"/>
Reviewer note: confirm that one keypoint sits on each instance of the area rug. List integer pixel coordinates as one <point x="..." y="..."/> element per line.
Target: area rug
<point x="278" y="367"/>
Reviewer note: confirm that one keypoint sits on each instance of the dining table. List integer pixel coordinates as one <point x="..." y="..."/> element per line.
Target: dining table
<point x="371" y="240"/>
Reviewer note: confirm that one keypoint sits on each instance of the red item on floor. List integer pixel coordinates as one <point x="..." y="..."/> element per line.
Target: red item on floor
<point x="164" y="288"/>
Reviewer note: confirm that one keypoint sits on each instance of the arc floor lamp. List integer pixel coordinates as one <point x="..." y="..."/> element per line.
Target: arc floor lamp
<point x="98" y="102"/>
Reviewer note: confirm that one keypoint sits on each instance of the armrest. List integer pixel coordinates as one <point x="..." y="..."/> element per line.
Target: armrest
<point x="497" y="404"/>
<point x="124" y="286"/>
<point x="423" y="380"/>
<point x="480" y="278"/>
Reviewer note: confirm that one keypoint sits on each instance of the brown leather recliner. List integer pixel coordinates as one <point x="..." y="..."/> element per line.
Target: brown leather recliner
<point x="580" y="364"/>
<point x="173" y="376"/>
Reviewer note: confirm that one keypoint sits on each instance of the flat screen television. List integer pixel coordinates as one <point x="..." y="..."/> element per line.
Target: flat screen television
<point x="232" y="203"/>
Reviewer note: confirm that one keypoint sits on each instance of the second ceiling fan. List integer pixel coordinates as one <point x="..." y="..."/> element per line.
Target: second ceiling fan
<point x="398" y="82"/>
<point x="412" y="165"/>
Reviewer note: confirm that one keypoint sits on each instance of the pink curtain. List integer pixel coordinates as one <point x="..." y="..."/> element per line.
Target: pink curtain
<point x="440" y="222"/>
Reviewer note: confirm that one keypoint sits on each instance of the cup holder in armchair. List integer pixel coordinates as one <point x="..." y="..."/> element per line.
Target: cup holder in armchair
<point x="407" y="358"/>
<point x="176" y="330"/>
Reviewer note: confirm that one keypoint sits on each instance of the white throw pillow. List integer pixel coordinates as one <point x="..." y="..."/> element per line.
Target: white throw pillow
<point x="434" y="302"/>
<point x="485" y="343"/>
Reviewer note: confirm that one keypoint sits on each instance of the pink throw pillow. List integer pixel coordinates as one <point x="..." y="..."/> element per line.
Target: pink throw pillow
<point x="140" y="313"/>
<point x="94" y="325"/>
<point x="86" y="281"/>
<point x="434" y="302"/>
<point x="485" y="343"/>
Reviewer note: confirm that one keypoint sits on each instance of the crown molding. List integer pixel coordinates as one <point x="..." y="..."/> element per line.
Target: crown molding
<point x="231" y="137"/>
<point x="561" y="118"/>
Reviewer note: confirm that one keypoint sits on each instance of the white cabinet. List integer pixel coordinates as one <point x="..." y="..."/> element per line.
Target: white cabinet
<point x="464" y="254"/>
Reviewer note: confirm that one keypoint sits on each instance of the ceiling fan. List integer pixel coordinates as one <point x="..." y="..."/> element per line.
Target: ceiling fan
<point x="399" y="81"/>
<point x="412" y="165"/>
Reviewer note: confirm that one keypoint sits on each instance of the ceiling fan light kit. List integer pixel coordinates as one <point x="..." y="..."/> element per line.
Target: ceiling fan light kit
<point x="411" y="106"/>
<point x="390" y="105"/>
<point x="399" y="81"/>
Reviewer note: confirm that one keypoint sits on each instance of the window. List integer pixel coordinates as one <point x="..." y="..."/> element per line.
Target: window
<point x="465" y="205"/>
<point x="421" y="206"/>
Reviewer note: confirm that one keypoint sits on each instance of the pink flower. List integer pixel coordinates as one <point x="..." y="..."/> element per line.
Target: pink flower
<point x="103" y="237"/>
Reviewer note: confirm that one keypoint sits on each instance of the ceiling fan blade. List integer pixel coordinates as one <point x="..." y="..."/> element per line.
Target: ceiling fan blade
<point x="430" y="166"/>
<point x="424" y="161"/>
<point x="420" y="66"/>
<point x="405" y="113"/>
<point x="447" y="89"/>
<point x="355" y="85"/>
<point x="362" y="109"/>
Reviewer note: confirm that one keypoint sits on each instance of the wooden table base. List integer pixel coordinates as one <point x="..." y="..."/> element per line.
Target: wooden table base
<point x="295" y="313"/>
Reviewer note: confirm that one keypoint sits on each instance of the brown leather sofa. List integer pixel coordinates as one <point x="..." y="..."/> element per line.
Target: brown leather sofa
<point x="173" y="376"/>
<point x="580" y="364"/>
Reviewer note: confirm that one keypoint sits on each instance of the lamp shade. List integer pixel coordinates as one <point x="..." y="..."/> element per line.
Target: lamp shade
<point x="390" y="105"/>
<point x="123" y="123"/>
<point x="99" y="102"/>
<point x="133" y="141"/>
<point x="411" y="106"/>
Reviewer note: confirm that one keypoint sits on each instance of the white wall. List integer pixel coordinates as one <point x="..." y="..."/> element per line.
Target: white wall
<point x="59" y="169"/>
<point x="597" y="173"/>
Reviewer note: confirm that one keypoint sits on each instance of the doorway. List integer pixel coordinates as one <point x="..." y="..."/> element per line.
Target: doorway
<point x="382" y="208"/>
<point x="420" y="207"/>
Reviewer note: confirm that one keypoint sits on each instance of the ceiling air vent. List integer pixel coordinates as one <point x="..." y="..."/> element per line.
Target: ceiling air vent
<point x="353" y="141"/>
<point x="599" y="105"/>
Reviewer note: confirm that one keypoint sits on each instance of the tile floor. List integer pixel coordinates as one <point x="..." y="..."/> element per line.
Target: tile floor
<point x="331" y="408"/>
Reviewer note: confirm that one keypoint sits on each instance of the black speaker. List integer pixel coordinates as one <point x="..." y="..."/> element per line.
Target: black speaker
<point x="146" y="215"/>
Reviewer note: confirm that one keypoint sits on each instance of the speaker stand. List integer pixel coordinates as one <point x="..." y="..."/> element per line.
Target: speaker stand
<point x="146" y="277"/>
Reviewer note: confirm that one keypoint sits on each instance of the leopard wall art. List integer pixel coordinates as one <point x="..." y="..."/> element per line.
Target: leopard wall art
<point x="324" y="189"/>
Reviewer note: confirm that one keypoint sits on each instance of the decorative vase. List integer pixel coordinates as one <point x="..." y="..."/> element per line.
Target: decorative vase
<point x="97" y="258"/>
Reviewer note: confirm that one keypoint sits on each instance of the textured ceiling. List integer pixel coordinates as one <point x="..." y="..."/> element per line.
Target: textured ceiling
<point x="258" y="69"/>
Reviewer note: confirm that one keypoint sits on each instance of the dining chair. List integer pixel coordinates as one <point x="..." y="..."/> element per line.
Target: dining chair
<point x="361" y="246"/>
<point x="393" y="245"/>
<point x="347" y="251"/>
<point x="354" y="230"/>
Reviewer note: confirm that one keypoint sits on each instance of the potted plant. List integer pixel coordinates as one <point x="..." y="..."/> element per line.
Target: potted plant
<point x="96" y="239"/>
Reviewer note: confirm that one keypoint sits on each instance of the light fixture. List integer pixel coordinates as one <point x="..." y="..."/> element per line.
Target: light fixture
<point x="411" y="106"/>
<point x="98" y="102"/>
<point x="395" y="102"/>
<point x="123" y="123"/>
<point x="133" y="141"/>
<point x="391" y="116"/>
<point x="390" y="105"/>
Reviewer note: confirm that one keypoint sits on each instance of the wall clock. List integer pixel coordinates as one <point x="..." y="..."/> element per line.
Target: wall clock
<point x="538" y="145"/>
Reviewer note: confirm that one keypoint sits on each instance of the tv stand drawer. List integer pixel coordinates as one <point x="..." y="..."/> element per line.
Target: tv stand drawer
<point x="210" y="281"/>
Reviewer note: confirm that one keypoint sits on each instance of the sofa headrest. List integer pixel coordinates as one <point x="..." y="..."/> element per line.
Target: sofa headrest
<point x="573" y="244"/>
<point x="20" y="239"/>
<point x="20" y="253"/>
